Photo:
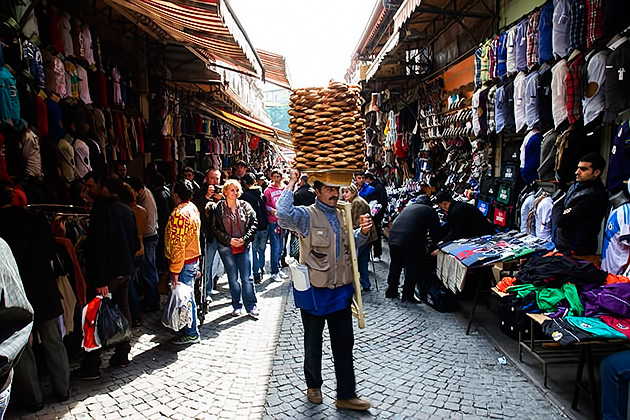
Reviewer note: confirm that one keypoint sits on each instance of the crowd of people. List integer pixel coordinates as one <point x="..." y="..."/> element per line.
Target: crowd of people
<point x="144" y="232"/>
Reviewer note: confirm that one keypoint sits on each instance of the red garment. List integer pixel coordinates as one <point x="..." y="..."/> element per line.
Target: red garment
<point x="79" y="281"/>
<point x="401" y="148"/>
<point x="102" y="89"/>
<point x="505" y="283"/>
<point x="55" y="35"/>
<point x="3" y="160"/>
<point x="42" y="117"/>
<point x="620" y="324"/>
<point x="613" y="278"/>
<point x="88" y="321"/>
<point x="594" y="26"/>
<point x="140" y="135"/>
<point x="574" y="87"/>
<point x="121" y="137"/>
<point x="19" y="197"/>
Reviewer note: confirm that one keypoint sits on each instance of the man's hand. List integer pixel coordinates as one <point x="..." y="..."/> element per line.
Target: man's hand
<point x="294" y="176"/>
<point x="365" y="223"/>
<point x="174" y="279"/>
<point x="435" y="252"/>
<point x="237" y="242"/>
<point x="103" y="291"/>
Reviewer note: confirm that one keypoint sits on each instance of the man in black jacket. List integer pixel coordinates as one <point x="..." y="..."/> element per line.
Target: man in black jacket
<point x="254" y="196"/>
<point x="305" y="195"/>
<point x="380" y="195"/>
<point x="112" y="242"/>
<point x="408" y="246"/>
<point x="32" y="243"/>
<point x="580" y="213"/>
<point x="464" y="220"/>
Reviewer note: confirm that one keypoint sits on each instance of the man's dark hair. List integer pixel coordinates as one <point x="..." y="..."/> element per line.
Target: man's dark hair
<point x="249" y="179"/>
<point x="596" y="160"/>
<point x="135" y="183"/>
<point x="157" y="180"/>
<point x="304" y="178"/>
<point x="5" y="196"/>
<point x="240" y="163"/>
<point x="184" y="189"/>
<point x="112" y="183"/>
<point x="96" y="176"/>
<point x="260" y="175"/>
<point x="359" y="173"/>
<point x="189" y="169"/>
<point x="370" y="176"/>
<point x="318" y="185"/>
<point x="276" y="171"/>
<point x="443" y="196"/>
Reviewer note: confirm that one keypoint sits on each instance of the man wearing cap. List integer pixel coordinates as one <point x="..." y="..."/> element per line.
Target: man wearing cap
<point x="324" y="250"/>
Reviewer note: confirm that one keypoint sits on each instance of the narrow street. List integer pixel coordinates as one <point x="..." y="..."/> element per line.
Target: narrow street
<point x="411" y="362"/>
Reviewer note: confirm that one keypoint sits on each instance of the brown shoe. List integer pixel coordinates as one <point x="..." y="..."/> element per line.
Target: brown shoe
<point x="353" y="404"/>
<point x="314" y="395"/>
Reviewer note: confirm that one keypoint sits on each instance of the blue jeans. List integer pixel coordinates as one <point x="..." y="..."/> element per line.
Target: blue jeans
<point x="275" y="239"/>
<point x="134" y="297"/>
<point x="211" y="252"/>
<point x="363" y="258"/>
<point x="187" y="276"/>
<point x="239" y="265"/>
<point x="615" y="374"/>
<point x="258" y="252"/>
<point x="149" y="271"/>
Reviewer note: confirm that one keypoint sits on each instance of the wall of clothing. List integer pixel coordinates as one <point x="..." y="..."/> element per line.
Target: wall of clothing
<point x="551" y="86"/>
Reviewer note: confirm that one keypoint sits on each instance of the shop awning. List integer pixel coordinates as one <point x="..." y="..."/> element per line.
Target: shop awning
<point x="276" y="136"/>
<point x="207" y="26"/>
<point x="387" y="48"/>
<point x="275" y="69"/>
<point x="404" y="12"/>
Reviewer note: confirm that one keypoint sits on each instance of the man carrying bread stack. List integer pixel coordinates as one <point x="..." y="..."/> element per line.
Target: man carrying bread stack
<point x="324" y="250"/>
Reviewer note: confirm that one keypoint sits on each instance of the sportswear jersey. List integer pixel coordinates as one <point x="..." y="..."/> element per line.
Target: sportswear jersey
<point x="616" y="246"/>
<point x="619" y="162"/>
<point x="594" y="327"/>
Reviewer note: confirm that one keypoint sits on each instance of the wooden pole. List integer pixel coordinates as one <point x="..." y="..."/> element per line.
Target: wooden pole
<point x="357" y="301"/>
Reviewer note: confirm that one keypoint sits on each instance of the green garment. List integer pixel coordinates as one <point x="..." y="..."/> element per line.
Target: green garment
<point x="547" y="298"/>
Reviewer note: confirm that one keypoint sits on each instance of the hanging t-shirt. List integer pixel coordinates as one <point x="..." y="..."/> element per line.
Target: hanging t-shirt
<point x="616" y="246"/>
<point x="490" y="109"/>
<point x="543" y="219"/>
<point x="30" y="23"/>
<point x="545" y="27"/>
<point x="546" y="169"/>
<point x="531" y="99"/>
<point x="511" y="50"/>
<point x="87" y="45"/>
<point x="499" y="109"/>
<point x="617" y="81"/>
<point x="574" y="87"/>
<point x="559" y="92"/>
<point x="81" y="157"/>
<point x="60" y="78"/>
<point x="9" y="101"/>
<point x="577" y="39"/>
<point x="66" y="36"/>
<point x="502" y="55"/>
<point x="475" y="116"/>
<point x="32" y="156"/>
<point x="531" y="156"/>
<point x="595" y="20"/>
<point x="84" y="90"/>
<point x="594" y="101"/>
<point x="521" y="45"/>
<point x="532" y="39"/>
<point x="477" y="80"/>
<point x="545" y="121"/>
<point x="619" y="162"/>
<point x="485" y="61"/>
<point x="519" y="101"/>
<point x="68" y="165"/>
<point x="509" y="104"/>
<point x="561" y="27"/>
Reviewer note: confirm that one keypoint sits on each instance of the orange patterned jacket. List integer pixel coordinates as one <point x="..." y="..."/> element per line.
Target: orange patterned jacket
<point x="181" y="239"/>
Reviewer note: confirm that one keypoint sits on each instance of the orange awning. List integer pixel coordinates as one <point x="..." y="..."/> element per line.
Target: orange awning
<point x="206" y="26"/>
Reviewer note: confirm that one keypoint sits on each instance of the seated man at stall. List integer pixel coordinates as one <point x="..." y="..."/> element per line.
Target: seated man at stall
<point x="580" y="213"/>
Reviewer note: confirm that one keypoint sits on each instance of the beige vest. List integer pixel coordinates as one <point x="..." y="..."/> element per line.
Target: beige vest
<point x="318" y="251"/>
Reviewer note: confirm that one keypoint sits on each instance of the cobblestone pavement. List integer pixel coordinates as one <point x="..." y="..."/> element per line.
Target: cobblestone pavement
<point x="225" y="376"/>
<point x="410" y="362"/>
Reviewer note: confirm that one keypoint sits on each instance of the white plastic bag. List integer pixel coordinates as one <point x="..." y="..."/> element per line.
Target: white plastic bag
<point x="178" y="312"/>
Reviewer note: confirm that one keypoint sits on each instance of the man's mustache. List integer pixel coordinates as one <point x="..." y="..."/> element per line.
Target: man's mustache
<point x="334" y="197"/>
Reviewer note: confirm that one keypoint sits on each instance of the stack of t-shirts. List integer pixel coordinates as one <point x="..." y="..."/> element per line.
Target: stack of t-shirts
<point x="571" y="330"/>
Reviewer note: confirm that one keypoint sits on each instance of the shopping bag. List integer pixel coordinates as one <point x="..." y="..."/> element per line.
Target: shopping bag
<point x="178" y="312"/>
<point x="111" y="325"/>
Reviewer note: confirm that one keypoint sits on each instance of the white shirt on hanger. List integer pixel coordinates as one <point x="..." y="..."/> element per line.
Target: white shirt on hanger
<point x="559" y="92"/>
<point x="519" y="101"/>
